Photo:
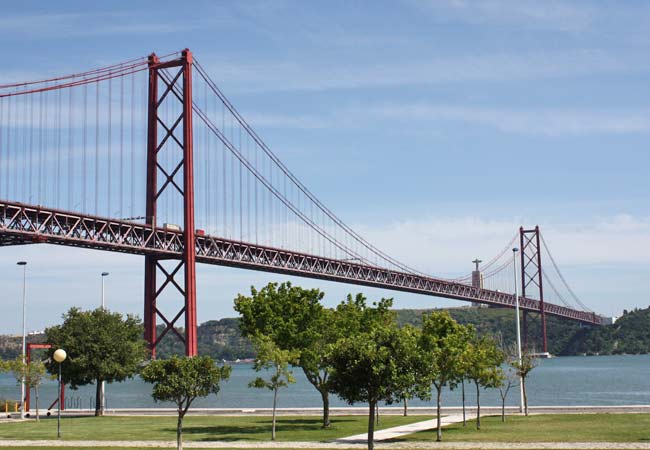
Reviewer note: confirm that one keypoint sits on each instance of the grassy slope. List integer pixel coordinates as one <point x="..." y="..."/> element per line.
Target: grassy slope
<point x="197" y="428"/>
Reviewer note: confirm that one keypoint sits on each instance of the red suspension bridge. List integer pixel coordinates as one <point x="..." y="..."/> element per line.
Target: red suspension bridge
<point x="73" y="150"/>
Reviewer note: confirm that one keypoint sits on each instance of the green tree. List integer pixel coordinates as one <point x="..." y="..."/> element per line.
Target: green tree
<point x="270" y="356"/>
<point x="442" y="348"/>
<point x="379" y="363"/>
<point x="101" y="346"/>
<point x="182" y="380"/>
<point x="295" y="320"/>
<point x="523" y="368"/>
<point x="33" y="373"/>
<point x="484" y="368"/>
<point x="510" y="380"/>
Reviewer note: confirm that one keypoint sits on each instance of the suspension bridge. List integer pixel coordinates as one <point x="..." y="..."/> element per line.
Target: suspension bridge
<point x="149" y="157"/>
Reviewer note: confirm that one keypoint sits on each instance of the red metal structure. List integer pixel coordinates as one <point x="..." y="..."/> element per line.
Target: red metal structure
<point x="179" y="89"/>
<point x="28" y="397"/>
<point x="251" y="212"/>
<point x="531" y="280"/>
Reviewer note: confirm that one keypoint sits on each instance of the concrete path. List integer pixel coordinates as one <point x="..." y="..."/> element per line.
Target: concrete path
<point x="402" y="430"/>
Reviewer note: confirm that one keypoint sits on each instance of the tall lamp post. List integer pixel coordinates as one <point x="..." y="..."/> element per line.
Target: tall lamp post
<point x="22" y="377"/>
<point x="103" y="386"/>
<point x="59" y="356"/>
<point x="521" y="384"/>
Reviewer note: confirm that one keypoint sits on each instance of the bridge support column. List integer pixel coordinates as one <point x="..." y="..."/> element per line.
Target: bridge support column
<point x="175" y="79"/>
<point x="531" y="278"/>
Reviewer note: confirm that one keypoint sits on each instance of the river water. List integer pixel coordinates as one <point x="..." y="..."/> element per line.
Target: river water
<point x="574" y="381"/>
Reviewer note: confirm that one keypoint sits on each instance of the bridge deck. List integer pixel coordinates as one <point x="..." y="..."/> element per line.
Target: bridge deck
<point x="21" y="224"/>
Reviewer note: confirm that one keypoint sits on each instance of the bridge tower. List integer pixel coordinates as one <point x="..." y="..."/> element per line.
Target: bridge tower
<point x="531" y="279"/>
<point x="175" y="80"/>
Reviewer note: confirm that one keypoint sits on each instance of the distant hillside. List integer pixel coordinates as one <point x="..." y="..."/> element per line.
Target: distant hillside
<point x="630" y="334"/>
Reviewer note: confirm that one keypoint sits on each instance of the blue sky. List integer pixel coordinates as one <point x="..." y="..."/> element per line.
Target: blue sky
<point x="436" y="128"/>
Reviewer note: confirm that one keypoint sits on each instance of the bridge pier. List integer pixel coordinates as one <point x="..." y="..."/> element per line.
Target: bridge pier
<point x="531" y="278"/>
<point x="177" y="86"/>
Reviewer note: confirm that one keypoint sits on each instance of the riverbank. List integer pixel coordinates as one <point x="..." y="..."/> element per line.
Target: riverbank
<point x="353" y="411"/>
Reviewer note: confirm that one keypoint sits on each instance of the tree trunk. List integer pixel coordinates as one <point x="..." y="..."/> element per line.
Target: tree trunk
<point x="478" y="406"/>
<point x="523" y="385"/>
<point x="503" y="408"/>
<point x="371" y="425"/>
<point x="36" y="395"/>
<point x="406" y="406"/>
<point x="439" y="426"/>
<point x="275" y="402"/>
<point x="462" y="385"/>
<point x="179" y="432"/>
<point x="98" y="398"/>
<point x="326" y="408"/>
<point x="377" y="413"/>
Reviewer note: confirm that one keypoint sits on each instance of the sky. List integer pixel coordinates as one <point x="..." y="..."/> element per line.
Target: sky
<point x="434" y="128"/>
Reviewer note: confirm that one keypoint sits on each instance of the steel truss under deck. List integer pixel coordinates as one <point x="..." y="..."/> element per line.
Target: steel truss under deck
<point x="23" y="224"/>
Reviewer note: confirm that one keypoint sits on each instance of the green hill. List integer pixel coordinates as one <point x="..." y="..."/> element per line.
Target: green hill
<point x="630" y="334"/>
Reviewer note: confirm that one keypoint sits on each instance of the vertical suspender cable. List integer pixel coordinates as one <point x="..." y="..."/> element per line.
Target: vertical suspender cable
<point x="132" y="190"/>
<point x="70" y="160"/>
<point x="97" y="148"/>
<point x="108" y="140"/>
<point x="121" y="146"/>
<point x="84" y="179"/>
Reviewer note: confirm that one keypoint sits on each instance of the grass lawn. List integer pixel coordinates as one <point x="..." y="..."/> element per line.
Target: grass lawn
<point x="548" y="428"/>
<point x="196" y="428"/>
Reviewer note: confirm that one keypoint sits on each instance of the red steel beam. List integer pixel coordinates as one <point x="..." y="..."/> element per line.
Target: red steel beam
<point x="45" y="225"/>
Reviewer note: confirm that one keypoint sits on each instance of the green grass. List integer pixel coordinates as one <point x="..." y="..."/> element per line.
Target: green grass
<point x="196" y="428"/>
<point x="548" y="428"/>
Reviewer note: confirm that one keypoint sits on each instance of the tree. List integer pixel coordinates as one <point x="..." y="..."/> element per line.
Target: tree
<point x="484" y="368"/>
<point x="182" y="380"/>
<point x="442" y="345"/>
<point x="270" y="356"/>
<point x="101" y="346"/>
<point x="373" y="360"/>
<point x="509" y="380"/>
<point x="295" y="320"/>
<point x="32" y="372"/>
<point x="523" y="368"/>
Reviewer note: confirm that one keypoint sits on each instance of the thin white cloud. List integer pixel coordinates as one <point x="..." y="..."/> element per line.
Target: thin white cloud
<point x="488" y="67"/>
<point x="525" y="121"/>
<point x="540" y="121"/>
<point x="74" y="25"/>
<point x="547" y="15"/>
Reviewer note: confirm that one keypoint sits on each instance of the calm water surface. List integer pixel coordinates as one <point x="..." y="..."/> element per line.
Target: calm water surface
<point x="589" y="380"/>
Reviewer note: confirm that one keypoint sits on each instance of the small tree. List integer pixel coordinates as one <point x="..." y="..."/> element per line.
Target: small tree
<point x="295" y="320"/>
<point x="523" y="368"/>
<point x="509" y="380"/>
<point x="270" y="356"/>
<point x="182" y="380"/>
<point x="32" y="372"/>
<point x="484" y="369"/>
<point x="442" y="347"/>
<point x="101" y="346"/>
<point x="375" y="366"/>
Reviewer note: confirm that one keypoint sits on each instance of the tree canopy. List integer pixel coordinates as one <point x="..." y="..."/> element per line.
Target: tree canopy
<point x="101" y="346"/>
<point x="181" y="380"/>
<point x="294" y="319"/>
<point x="375" y="360"/>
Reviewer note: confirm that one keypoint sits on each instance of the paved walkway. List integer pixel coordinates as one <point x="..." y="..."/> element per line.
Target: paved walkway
<point x="396" y="432"/>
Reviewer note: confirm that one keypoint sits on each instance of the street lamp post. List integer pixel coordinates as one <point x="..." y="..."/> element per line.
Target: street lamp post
<point x="22" y="377"/>
<point x="521" y="384"/>
<point x="59" y="357"/>
<point x="103" y="386"/>
<point x="104" y="275"/>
